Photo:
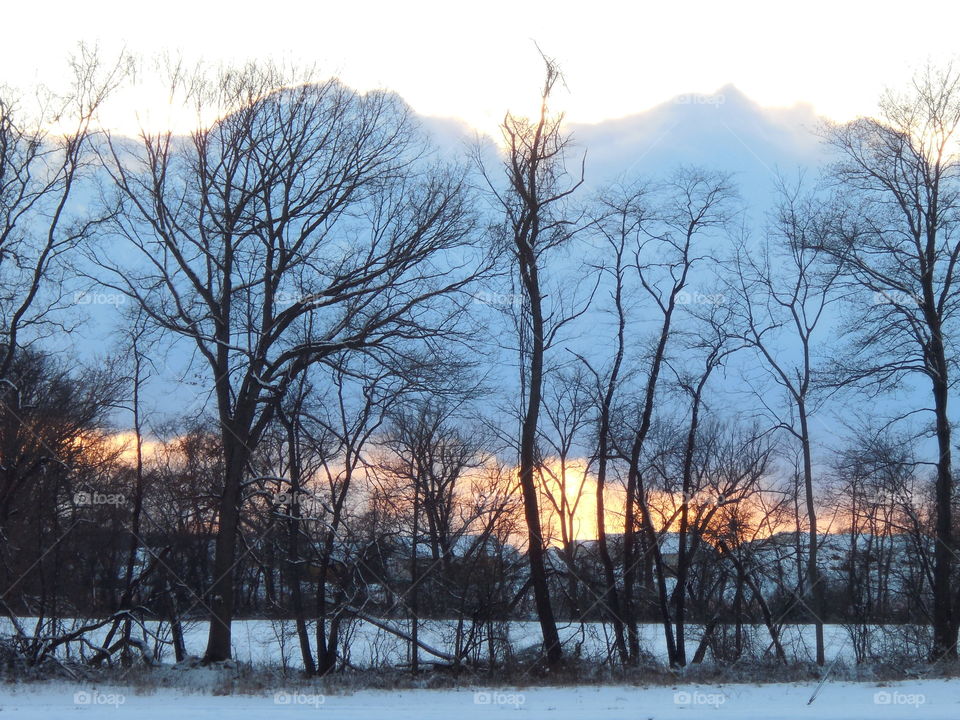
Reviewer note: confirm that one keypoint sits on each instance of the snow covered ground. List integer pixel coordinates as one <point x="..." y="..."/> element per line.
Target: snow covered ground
<point x="274" y="642"/>
<point x="270" y="643"/>
<point x="836" y="701"/>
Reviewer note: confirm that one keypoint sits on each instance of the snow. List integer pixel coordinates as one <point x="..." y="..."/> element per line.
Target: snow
<point x="840" y="701"/>
<point x="273" y="642"/>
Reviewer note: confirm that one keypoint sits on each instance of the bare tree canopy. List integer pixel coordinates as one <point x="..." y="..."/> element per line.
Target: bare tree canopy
<point x="303" y="222"/>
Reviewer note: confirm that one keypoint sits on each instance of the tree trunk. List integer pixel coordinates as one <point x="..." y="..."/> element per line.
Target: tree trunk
<point x="611" y="596"/>
<point x="222" y="590"/>
<point x="293" y="550"/>
<point x="528" y="440"/>
<point x="414" y="584"/>
<point x="683" y="561"/>
<point x="813" y="567"/>
<point x="944" y="625"/>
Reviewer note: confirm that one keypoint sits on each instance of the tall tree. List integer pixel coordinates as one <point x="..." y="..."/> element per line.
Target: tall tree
<point x="898" y="182"/>
<point x="714" y="342"/>
<point x="536" y="222"/>
<point x="785" y="288"/>
<point x="615" y="223"/>
<point x="660" y="229"/>
<point x="302" y="223"/>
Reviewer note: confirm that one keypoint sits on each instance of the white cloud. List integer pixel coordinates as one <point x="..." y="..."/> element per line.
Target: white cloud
<point x="473" y="61"/>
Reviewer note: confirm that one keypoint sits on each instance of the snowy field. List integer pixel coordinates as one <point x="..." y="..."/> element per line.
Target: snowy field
<point x="836" y="701"/>
<point x="273" y="642"/>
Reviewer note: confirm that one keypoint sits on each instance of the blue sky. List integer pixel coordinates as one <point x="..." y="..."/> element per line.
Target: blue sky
<point x="737" y="86"/>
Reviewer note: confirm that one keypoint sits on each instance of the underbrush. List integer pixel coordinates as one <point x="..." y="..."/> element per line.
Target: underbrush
<point x="230" y="677"/>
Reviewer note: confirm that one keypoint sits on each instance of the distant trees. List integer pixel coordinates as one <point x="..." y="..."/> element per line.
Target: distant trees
<point x="450" y="501"/>
<point x="886" y="537"/>
<point x="563" y="475"/>
<point x="61" y="493"/>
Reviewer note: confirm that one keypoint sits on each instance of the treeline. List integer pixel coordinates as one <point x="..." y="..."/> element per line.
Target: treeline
<point x="474" y="392"/>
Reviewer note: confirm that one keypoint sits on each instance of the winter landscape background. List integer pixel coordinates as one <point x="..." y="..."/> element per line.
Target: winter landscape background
<point x="572" y="362"/>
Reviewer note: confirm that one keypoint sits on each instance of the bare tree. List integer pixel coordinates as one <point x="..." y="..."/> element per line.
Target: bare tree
<point x="536" y="223"/>
<point x="888" y="520"/>
<point x="785" y="289"/>
<point x="327" y="426"/>
<point x="139" y="376"/>
<point x="291" y="420"/>
<point x="45" y="158"/>
<point x="618" y="218"/>
<point x="303" y="223"/>
<point x="716" y="344"/>
<point x="660" y="230"/>
<point x="896" y="237"/>
<point x="425" y="475"/>
<point x="563" y="476"/>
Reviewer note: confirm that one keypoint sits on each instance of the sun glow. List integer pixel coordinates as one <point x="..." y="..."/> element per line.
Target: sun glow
<point x="568" y="507"/>
<point x="568" y="501"/>
<point x="125" y="444"/>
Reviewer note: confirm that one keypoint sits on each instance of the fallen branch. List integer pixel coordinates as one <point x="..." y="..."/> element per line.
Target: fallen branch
<point x="402" y="635"/>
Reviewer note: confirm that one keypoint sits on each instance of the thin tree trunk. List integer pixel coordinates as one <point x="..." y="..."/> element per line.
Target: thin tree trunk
<point x="414" y="584"/>
<point x="813" y="567"/>
<point x="528" y="439"/>
<point x="293" y="549"/>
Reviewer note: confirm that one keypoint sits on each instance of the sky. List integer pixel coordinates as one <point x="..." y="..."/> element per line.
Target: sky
<point x="472" y="61"/>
